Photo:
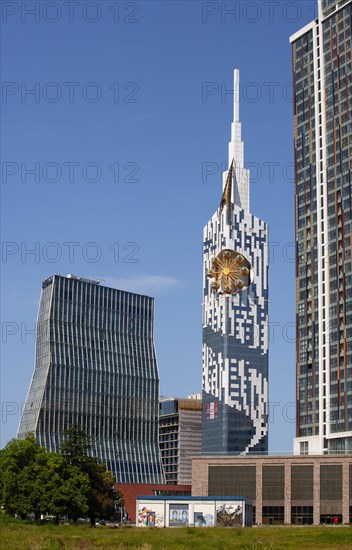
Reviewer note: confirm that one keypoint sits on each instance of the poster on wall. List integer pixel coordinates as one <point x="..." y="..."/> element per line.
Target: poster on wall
<point x="146" y="517"/>
<point x="212" y="410"/>
<point x="178" y="515"/>
<point x="203" y="520"/>
<point x="151" y="519"/>
<point x="229" y="515"/>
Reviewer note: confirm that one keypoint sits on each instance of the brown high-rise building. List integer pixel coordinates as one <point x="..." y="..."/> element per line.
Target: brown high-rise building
<point x="180" y="437"/>
<point x="322" y="76"/>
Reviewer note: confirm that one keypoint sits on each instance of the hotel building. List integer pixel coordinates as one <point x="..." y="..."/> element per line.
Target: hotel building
<point x="235" y="315"/>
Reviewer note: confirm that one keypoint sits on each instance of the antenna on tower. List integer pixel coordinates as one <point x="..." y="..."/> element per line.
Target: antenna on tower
<point x="236" y="95"/>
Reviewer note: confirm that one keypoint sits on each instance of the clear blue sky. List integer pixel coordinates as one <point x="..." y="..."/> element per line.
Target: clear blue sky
<point x="135" y="98"/>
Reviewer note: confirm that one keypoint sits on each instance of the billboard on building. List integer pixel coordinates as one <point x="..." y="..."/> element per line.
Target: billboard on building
<point x="212" y="410"/>
<point x="229" y="514"/>
<point x="203" y="520"/>
<point x="150" y="516"/>
<point x="178" y="515"/>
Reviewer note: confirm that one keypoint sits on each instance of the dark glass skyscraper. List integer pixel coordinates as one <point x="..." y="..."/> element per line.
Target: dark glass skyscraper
<point x="96" y="366"/>
<point x="322" y="73"/>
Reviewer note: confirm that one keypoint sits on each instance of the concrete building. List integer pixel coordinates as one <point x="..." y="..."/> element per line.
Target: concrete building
<point x="180" y="436"/>
<point x="322" y="77"/>
<point x="235" y="314"/>
<point x="284" y="489"/>
<point x="95" y="366"/>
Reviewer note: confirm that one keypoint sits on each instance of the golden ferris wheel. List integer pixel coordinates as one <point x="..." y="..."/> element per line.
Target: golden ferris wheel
<point x="230" y="271"/>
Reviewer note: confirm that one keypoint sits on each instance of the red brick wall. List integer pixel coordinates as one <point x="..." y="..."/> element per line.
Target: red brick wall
<point x="130" y="492"/>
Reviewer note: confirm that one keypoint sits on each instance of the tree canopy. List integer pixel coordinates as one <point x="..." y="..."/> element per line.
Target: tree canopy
<point x="76" y="445"/>
<point x="38" y="482"/>
<point x="102" y="497"/>
<point x="72" y="483"/>
<point x="67" y="488"/>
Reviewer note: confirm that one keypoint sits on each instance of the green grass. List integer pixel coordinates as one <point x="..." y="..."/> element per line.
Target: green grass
<point x="22" y="535"/>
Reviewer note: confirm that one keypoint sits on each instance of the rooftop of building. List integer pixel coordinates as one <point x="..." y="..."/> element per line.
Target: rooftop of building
<point x="271" y="456"/>
<point x="193" y="396"/>
<point x="190" y="498"/>
<point x="172" y="405"/>
<point x="327" y="8"/>
<point x="96" y="282"/>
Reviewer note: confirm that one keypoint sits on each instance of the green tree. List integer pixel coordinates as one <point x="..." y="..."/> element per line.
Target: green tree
<point x="66" y="488"/>
<point x="75" y="448"/>
<point x="35" y="481"/>
<point x="102" y="495"/>
<point x="20" y="491"/>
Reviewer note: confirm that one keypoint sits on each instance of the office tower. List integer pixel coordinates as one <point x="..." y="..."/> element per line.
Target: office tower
<point x="322" y="78"/>
<point x="235" y="315"/>
<point x="180" y="437"/>
<point x="95" y="366"/>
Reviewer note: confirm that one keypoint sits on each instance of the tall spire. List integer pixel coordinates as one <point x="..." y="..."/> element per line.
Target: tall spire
<point x="240" y="187"/>
<point x="236" y="95"/>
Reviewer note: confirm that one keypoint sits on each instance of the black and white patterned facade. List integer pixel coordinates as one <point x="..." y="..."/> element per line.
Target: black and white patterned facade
<point x="235" y="326"/>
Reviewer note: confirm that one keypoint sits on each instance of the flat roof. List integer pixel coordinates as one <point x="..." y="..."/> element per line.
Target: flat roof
<point x="95" y="282"/>
<point x="146" y="497"/>
<point x="252" y="457"/>
<point x="303" y="30"/>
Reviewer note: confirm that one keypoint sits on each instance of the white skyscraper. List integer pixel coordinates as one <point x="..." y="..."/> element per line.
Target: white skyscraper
<point x="235" y="315"/>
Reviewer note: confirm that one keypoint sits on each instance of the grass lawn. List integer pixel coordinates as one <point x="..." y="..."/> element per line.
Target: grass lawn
<point x="21" y="535"/>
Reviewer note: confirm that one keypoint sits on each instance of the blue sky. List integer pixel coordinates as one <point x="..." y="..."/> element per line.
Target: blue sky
<point x="112" y="166"/>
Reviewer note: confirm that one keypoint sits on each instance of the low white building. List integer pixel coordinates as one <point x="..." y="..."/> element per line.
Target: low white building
<point x="193" y="511"/>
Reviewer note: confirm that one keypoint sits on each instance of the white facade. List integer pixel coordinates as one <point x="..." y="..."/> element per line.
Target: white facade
<point x="235" y="326"/>
<point x="193" y="511"/>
